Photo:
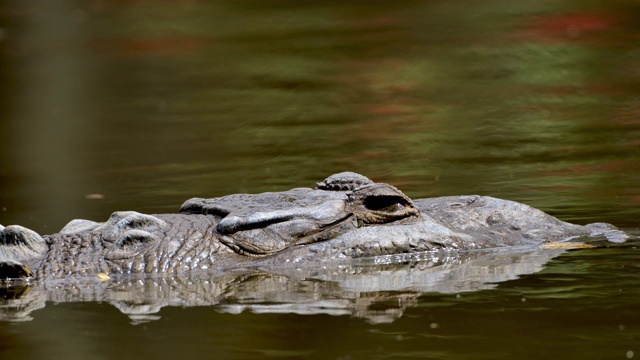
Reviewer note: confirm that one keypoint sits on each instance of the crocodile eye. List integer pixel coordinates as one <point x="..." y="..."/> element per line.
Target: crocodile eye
<point x="385" y="203"/>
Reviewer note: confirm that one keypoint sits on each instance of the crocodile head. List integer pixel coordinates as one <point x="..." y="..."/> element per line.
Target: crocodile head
<point x="267" y="223"/>
<point x="222" y="230"/>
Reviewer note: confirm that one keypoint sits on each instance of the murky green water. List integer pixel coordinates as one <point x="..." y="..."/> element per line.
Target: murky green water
<point x="113" y="105"/>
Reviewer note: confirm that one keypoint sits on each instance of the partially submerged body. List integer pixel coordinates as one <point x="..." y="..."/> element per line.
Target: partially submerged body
<point x="347" y="216"/>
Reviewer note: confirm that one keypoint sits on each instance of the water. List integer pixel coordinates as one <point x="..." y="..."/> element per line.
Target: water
<point x="140" y="105"/>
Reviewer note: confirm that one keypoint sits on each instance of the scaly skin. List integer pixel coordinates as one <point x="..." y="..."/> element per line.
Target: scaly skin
<point x="348" y="216"/>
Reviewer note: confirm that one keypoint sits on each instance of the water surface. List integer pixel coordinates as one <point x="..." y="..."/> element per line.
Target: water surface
<point x="139" y="105"/>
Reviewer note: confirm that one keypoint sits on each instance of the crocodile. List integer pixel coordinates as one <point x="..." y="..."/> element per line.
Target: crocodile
<point x="346" y="216"/>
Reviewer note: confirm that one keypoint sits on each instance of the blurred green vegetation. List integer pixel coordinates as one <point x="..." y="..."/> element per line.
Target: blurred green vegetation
<point x="139" y="105"/>
<point x="149" y="103"/>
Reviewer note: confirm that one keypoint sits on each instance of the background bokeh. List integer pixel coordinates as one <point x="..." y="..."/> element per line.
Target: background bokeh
<point x="143" y="104"/>
<point x="139" y="105"/>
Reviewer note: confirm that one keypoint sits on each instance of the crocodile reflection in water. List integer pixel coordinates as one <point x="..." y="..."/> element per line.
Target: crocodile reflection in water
<point x="346" y="217"/>
<point x="378" y="291"/>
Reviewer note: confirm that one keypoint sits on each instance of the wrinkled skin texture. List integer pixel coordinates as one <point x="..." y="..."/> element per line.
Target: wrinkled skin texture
<point x="347" y="216"/>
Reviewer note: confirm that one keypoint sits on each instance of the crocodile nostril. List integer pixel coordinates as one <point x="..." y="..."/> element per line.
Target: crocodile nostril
<point x="230" y="225"/>
<point x="233" y="224"/>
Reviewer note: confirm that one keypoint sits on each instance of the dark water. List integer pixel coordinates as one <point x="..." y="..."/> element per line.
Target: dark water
<point x="112" y="105"/>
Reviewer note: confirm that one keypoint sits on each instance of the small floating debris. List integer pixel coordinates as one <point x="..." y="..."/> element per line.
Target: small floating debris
<point x="567" y="245"/>
<point x="103" y="277"/>
<point x="94" y="196"/>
